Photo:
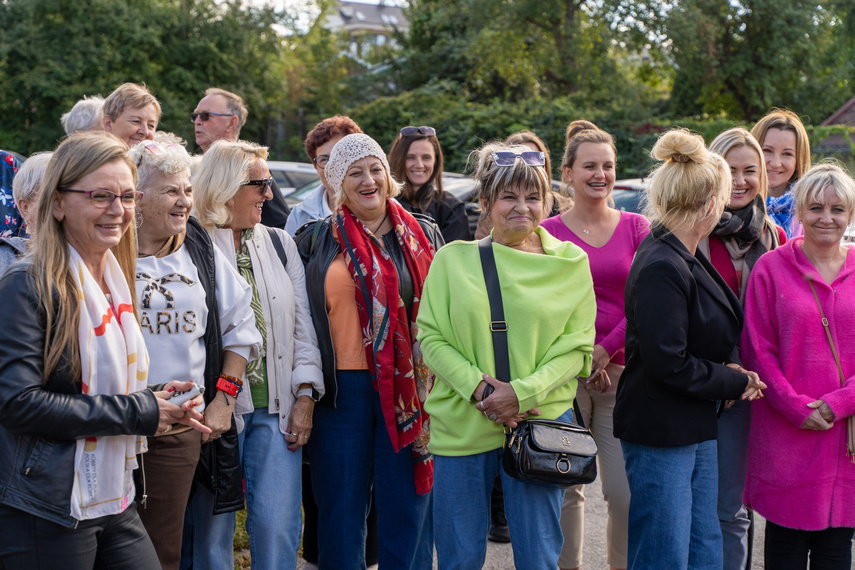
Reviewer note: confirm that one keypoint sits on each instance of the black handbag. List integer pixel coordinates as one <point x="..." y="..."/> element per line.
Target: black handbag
<point x="548" y="451"/>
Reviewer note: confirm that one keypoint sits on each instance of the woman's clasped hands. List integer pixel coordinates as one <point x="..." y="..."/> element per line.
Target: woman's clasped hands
<point x="501" y="404"/>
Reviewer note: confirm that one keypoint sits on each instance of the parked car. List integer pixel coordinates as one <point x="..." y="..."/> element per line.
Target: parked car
<point x="628" y="195"/>
<point x="291" y="175"/>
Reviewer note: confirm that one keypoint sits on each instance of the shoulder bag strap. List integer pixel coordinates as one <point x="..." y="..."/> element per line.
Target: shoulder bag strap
<point x="850" y="422"/>
<point x="277" y="245"/>
<point x="498" y="325"/>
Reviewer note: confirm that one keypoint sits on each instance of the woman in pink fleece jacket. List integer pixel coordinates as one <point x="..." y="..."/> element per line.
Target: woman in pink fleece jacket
<point x="799" y="475"/>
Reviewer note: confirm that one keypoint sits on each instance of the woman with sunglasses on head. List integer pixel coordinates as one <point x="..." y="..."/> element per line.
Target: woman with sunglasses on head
<point x="549" y="306"/>
<point x="610" y="238"/>
<point x="742" y="235"/>
<point x="73" y="373"/>
<point x="196" y="318"/>
<point x="276" y="401"/>
<point x="682" y="328"/>
<point x="319" y="144"/>
<point x="365" y="269"/>
<point x="786" y="151"/>
<point x="416" y="160"/>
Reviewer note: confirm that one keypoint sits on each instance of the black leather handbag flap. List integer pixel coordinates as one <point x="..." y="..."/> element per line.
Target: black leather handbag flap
<point x="559" y="437"/>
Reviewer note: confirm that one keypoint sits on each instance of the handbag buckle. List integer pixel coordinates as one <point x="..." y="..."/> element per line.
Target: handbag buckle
<point x="499" y="326"/>
<point x="562" y="461"/>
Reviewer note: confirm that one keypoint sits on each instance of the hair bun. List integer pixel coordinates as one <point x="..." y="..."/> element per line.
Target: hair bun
<point x="680" y="146"/>
<point x="578" y="126"/>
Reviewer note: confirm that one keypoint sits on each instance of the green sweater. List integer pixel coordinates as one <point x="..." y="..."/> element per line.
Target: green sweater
<point x="550" y="309"/>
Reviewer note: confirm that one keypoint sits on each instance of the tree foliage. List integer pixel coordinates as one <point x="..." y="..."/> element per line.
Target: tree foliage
<point x="52" y="52"/>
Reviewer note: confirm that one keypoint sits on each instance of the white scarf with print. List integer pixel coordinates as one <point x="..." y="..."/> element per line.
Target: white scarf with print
<point x="113" y="361"/>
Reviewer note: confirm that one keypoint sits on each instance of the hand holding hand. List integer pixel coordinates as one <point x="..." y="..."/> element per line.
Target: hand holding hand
<point x="755" y="386"/>
<point x="502" y="406"/>
<point x="816" y="422"/>
<point x="824" y="410"/>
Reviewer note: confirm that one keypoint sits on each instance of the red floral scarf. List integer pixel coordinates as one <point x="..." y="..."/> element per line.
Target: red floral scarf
<point x="397" y="369"/>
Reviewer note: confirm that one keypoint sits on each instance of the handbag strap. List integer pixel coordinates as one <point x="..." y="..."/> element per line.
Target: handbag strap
<point x="850" y="448"/>
<point x="498" y="325"/>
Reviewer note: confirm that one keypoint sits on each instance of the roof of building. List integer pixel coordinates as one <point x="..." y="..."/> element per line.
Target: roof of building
<point x="376" y="18"/>
<point x="845" y="115"/>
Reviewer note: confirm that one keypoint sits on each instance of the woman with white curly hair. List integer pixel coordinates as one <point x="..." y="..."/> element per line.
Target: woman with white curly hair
<point x="196" y="318"/>
<point x="365" y="268"/>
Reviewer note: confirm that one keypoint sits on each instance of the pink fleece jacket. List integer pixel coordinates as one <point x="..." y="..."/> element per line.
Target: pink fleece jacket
<point x="799" y="478"/>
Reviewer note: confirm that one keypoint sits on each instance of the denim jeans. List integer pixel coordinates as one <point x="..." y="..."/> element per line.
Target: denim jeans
<point x="208" y="538"/>
<point x="461" y="510"/>
<point x="732" y="466"/>
<point x="351" y="453"/>
<point x="274" y="491"/>
<point x="672" y="510"/>
<point x="273" y="495"/>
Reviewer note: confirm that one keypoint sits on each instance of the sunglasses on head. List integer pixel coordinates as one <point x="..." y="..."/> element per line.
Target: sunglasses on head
<point x="426" y="131"/>
<point x="264" y="183"/>
<point x="205" y="115"/>
<point x="530" y="157"/>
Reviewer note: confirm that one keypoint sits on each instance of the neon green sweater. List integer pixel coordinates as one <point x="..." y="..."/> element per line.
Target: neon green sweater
<point x="550" y="309"/>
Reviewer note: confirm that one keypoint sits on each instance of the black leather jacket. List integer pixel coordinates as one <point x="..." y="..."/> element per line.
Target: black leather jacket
<point x="317" y="250"/>
<point x="40" y="421"/>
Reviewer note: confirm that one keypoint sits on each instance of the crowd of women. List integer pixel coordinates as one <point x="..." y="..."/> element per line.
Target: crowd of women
<point x="706" y="344"/>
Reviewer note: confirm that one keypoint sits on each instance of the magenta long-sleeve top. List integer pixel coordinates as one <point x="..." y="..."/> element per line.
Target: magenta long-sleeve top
<point x="609" y="268"/>
<point x="799" y="478"/>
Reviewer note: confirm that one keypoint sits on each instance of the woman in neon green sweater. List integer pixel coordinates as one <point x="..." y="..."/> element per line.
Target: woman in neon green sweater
<point x="548" y="299"/>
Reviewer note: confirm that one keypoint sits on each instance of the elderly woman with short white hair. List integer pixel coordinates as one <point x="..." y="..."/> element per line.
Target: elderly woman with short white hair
<point x="275" y="404"/>
<point x="196" y="318"/>
<point x="365" y="268"/>
<point x="26" y="187"/>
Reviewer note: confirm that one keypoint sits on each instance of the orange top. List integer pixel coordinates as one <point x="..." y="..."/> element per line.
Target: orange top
<point x="345" y="329"/>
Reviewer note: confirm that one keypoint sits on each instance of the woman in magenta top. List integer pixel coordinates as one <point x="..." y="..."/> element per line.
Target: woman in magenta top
<point x="610" y="238"/>
<point x="800" y="476"/>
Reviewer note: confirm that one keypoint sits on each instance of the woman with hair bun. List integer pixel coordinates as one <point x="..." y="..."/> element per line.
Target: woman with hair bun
<point x="786" y="151"/>
<point x="683" y="325"/>
<point x="610" y="238"/>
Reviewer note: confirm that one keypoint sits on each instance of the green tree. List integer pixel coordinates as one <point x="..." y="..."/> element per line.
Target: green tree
<point x="52" y="52"/>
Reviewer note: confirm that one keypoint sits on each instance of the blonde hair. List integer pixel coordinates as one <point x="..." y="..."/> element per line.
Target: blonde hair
<point x="578" y="133"/>
<point x="234" y="103"/>
<point x="218" y="177"/>
<point x="27" y="182"/>
<point x="688" y="177"/>
<point x="155" y="159"/>
<point x="786" y="120"/>
<point x="826" y="174"/>
<point x="737" y="138"/>
<point x="80" y="154"/>
<point x="129" y="96"/>
<point x="492" y="179"/>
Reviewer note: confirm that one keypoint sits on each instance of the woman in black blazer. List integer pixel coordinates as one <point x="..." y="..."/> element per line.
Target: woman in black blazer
<point x="683" y="324"/>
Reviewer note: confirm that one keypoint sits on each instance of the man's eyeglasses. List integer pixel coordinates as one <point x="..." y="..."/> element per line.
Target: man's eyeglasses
<point x="426" y="131"/>
<point x="103" y="198"/>
<point x="321" y="160"/>
<point x="264" y="183"/>
<point x="205" y="115"/>
<point x="530" y="157"/>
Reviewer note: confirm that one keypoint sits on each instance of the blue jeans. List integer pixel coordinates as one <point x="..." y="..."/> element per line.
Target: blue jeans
<point x="208" y="538"/>
<point x="272" y="475"/>
<point x="732" y="466"/>
<point x="672" y="510"/>
<point x="461" y="512"/>
<point x="351" y="452"/>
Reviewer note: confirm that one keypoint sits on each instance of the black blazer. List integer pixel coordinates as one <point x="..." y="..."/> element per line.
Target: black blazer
<point x="683" y="326"/>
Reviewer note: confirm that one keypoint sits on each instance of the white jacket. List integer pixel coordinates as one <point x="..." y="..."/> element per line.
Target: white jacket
<point x="314" y="207"/>
<point x="292" y="348"/>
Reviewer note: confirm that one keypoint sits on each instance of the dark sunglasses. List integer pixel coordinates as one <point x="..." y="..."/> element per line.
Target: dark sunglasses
<point x="205" y="115"/>
<point x="530" y="157"/>
<point x="426" y="131"/>
<point x="264" y="183"/>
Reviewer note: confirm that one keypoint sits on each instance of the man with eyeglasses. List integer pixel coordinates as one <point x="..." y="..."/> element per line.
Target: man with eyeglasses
<point x="219" y="116"/>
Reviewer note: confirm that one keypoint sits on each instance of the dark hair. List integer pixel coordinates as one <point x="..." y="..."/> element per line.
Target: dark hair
<point x="336" y="126"/>
<point x="432" y="189"/>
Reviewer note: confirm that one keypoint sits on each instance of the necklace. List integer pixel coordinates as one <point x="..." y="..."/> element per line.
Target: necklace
<point x="380" y="225"/>
<point x="586" y="232"/>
